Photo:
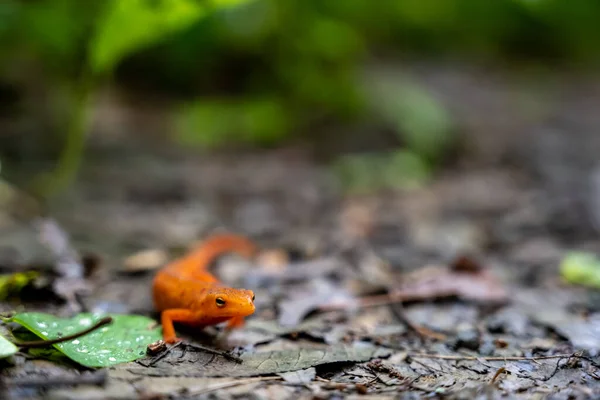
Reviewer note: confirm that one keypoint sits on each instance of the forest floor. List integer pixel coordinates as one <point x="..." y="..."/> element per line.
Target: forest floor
<point x="452" y="290"/>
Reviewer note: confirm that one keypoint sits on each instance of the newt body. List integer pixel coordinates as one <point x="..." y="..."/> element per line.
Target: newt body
<point x="185" y="292"/>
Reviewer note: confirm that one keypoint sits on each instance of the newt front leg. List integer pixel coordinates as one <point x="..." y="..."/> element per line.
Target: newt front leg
<point x="175" y="315"/>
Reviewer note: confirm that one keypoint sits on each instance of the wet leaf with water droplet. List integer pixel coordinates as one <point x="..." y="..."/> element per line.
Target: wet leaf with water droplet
<point x="122" y="341"/>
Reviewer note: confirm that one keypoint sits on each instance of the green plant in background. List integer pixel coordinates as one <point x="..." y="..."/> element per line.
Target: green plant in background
<point x="263" y="71"/>
<point x="363" y="173"/>
<point x="124" y="27"/>
<point x="302" y="69"/>
<point x="421" y="123"/>
<point x="212" y="123"/>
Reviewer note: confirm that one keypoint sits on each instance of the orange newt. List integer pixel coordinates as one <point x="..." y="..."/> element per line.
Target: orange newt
<point x="185" y="292"/>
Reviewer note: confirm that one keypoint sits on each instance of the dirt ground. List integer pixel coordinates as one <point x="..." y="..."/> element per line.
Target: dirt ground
<point x="496" y="323"/>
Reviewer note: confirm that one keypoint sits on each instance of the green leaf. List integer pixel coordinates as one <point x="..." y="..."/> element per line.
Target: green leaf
<point x="581" y="268"/>
<point x="7" y="348"/>
<point x="122" y="341"/>
<point x="131" y="25"/>
<point x="55" y="27"/>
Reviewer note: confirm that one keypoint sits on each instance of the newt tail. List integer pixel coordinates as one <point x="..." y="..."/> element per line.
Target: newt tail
<point x="184" y="291"/>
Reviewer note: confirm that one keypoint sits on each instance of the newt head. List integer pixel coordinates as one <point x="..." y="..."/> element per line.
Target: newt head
<point x="225" y="302"/>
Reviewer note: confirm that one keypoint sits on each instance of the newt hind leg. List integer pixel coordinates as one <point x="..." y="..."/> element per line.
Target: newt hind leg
<point x="175" y="315"/>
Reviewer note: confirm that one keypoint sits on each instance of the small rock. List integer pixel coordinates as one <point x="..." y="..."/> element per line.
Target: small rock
<point x="145" y="260"/>
<point x="274" y="260"/>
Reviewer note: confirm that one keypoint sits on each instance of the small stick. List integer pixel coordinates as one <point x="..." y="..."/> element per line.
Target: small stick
<point x="159" y="356"/>
<point x="44" y="343"/>
<point x="223" y="354"/>
<point x="238" y="382"/>
<point x="475" y="358"/>
<point x="400" y="312"/>
<point x="394" y="300"/>
<point x="500" y="371"/>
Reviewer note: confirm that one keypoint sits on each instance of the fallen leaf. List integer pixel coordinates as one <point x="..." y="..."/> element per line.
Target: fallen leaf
<point x="370" y="272"/>
<point x="442" y="282"/>
<point x="68" y="263"/>
<point x="122" y="341"/>
<point x="429" y="284"/>
<point x="295" y="272"/>
<point x="7" y="348"/>
<point x="582" y="333"/>
<point x="263" y="363"/>
<point x="298" y="305"/>
<point x="299" y="377"/>
<point x="273" y="327"/>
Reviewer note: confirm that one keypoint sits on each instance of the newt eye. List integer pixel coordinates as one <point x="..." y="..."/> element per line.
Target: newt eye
<point x="220" y="302"/>
<point x="253" y="296"/>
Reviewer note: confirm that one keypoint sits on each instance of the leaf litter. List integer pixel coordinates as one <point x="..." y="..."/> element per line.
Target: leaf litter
<point x="339" y="343"/>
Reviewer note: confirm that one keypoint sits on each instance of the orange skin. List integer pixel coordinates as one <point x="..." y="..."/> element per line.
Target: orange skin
<point x="185" y="292"/>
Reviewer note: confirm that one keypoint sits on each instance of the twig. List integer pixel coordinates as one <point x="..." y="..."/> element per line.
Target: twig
<point x="553" y="372"/>
<point x="400" y="313"/>
<point x="500" y="371"/>
<point x="429" y="367"/>
<point x="513" y="358"/>
<point x="360" y="388"/>
<point x="234" y="383"/>
<point x="159" y="356"/>
<point x="44" y="343"/>
<point x="223" y="354"/>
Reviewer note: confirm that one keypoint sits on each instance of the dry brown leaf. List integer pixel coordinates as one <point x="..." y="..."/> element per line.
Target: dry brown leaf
<point x="478" y="286"/>
<point x="298" y="305"/>
<point x="432" y="283"/>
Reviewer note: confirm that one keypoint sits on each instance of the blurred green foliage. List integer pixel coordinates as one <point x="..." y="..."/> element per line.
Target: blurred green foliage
<point x="265" y="71"/>
<point x="581" y="268"/>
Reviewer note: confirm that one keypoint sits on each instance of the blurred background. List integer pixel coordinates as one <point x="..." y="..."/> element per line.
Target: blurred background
<point x="381" y="95"/>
